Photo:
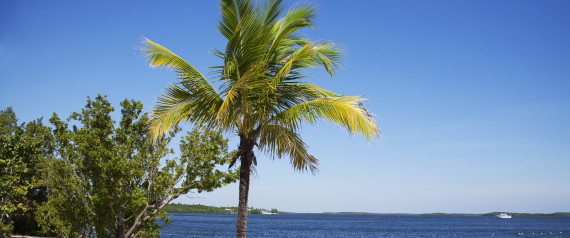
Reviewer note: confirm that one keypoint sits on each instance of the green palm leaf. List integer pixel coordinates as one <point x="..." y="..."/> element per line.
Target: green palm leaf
<point x="193" y="98"/>
<point x="346" y="111"/>
<point x="280" y="141"/>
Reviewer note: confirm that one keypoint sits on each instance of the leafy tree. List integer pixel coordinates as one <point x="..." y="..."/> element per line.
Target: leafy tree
<point x="23" y="148"/>
<point x="109" y="181"/>
<point x="261" y="97"/>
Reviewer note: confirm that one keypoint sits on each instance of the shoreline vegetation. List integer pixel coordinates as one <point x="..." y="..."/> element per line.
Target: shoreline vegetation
<point x="198" y="208"/>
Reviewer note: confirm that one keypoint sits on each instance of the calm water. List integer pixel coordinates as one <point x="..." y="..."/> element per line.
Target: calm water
<point x="319" y="225"/>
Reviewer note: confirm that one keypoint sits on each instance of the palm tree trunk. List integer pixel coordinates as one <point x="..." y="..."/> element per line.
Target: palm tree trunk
<point x="244" y="177"/>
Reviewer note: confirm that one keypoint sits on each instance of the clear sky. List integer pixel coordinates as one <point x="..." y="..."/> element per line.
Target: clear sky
<point x="473" y="97"/>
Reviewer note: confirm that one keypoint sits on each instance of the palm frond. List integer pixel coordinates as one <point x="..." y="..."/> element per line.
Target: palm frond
<point x="328" y="55"/>
<point x="295" y="19"/>
<point x="346" y="111"/>
<point x="271" y="10"/>
<point x="308" y="55"/>
<point x="168" y="112"/>
<point x="233" y="13"/>
<point x="281" y="141"/>
<point x="196" y="99"/>
<point x="250" y="76"/>
<point x="299" y="56"/>
<point x="178" y="104"/>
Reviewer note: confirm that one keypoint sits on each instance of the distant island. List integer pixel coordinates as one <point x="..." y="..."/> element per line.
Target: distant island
<point x="197" y="208"/>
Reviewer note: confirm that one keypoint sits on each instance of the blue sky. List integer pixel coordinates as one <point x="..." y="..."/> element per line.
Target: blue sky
<point x="472" y="96"/>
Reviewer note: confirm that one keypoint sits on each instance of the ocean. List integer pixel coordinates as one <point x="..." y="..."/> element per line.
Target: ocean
<point x="326" y="225"/>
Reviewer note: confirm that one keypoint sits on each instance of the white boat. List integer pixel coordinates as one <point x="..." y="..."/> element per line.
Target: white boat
<point x="504" y="216"/>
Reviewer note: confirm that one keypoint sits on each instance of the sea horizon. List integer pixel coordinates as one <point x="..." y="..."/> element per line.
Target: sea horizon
<point x="355" y="225"/>
<point x="192" y="208"/>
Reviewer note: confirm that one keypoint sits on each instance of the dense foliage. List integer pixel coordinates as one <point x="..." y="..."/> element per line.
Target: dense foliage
<point x="92" y="176"/>
<point x="109" y="180"/>
<point x="23" y="148"/>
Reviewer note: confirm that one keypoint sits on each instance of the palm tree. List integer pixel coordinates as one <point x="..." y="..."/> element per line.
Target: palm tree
<point x="261" y="96"/>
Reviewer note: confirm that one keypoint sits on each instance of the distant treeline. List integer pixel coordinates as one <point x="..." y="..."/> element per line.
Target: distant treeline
<point x="185" y="208"/>
<point x="197" y="208"/>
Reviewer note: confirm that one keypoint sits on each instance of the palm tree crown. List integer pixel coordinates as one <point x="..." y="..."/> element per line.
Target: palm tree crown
<point x="261" y="95"/>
